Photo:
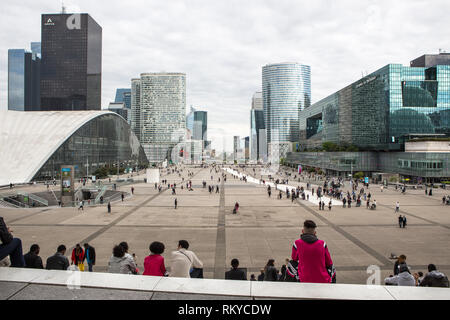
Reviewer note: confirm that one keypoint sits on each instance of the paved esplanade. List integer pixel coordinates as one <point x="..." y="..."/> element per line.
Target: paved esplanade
<point x="264" y="228"/>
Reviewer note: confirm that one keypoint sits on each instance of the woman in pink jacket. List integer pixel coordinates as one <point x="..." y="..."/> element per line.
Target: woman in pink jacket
<point x="154" y="263"/>
<point x="312" y="255"/>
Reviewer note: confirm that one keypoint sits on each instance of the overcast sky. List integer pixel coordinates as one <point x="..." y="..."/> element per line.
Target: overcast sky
<point x="222" y="45"/>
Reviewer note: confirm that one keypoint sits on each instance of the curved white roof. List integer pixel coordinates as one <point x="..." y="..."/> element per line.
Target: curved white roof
<point x="29" y="139"/>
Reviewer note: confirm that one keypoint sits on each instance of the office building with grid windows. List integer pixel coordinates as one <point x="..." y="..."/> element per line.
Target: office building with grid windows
<point x="24" y="69"/>
<point x="135" y="114"/>
<point x="379" y="114"/>
<point x="71" y="67"/>
<point x="286" y="90"/>
<point x="163" y="113"/>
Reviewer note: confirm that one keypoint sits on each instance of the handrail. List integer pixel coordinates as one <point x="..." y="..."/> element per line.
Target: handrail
<point x="34" y="197"/>
<point x="100" y="194"/>
<point x="16" y="203"/>
<point x="7" y="204"/>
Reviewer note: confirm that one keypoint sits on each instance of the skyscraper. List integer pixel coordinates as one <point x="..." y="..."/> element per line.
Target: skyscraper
<point x="120" y="109"/>
<point x="236" y="147"/>
<point x="246" y="148"/>
<point x="163" y="113"/>
<point x="123" y="95"/>
<point x="23" y="78"/>
<point x="286" y="91"/>
<point x="71" y="62"/>
<point x="197" y="124"/>
<point x="135" y="117"/>
<point x="256" y="125"/>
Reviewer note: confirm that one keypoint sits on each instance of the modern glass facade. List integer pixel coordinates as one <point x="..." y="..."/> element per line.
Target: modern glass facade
<point x="123" y="95"/>
<point x="23" y="80"/>
<point x="120" y="109"/>
<point x="286" y="90"/>
<point x="36" y="48"/>
<point x="163" y="113"/>
<point x="135" y="117"/>
<point x="375" y="112"/>
<point x="256" y="126"/>
<point x="431" y="166"/>
<point x="105" y="140"/>
<point x="71" y="62"/>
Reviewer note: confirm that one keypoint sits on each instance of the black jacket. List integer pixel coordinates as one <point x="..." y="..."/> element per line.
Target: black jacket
<point x="5" y="236"/>
<point x="270" y="274"/>
<point x="57" y="262"/>
<point x="33" y="261"/>
<point x="235" y="274"/>
<point x="435" y="279"/>
<point x="91" y="251"/>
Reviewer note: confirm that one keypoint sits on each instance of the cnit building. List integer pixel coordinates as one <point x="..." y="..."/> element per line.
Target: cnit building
<point x="395" y="120"/>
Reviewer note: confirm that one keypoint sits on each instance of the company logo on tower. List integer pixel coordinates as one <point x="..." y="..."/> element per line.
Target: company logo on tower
<point x="49" y="22"/>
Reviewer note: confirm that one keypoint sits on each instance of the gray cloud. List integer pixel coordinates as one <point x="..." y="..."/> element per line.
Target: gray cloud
<point x="222" y="45"/>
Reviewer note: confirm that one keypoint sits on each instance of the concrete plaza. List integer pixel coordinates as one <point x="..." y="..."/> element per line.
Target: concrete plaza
<point x="264" y="228"/>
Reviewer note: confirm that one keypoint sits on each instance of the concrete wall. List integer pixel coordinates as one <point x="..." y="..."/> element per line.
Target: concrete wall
<point x="428" y="146"/>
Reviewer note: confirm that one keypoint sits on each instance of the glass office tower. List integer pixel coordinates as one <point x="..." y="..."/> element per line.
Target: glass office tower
<point x="163" y="113"/>
<point x="256" y="125"/>
<point x="135" y="117"/>
<point x="23" y="79"/>
<point x="286" y="91"/>
<point x="123" y="95"/>
<point x="378" y="111"/>
<point x="71" y="62"/>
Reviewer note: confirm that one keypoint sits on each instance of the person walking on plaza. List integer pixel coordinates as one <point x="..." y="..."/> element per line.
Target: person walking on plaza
<point x="329" y="205"/>
<point x="109" y="207"/>
<point x="132" y="190"/>
<point x="10" y="246"/>
<point x="176" y="203"/>
<point x="122" y="196"/>
<point x="236" y="208"/>
<point x="81" y="205"/>
<point x="32" y="259"/>
<point x="434" y="278"/>
<point x="78" y="257"/>
<point x="183" y="260"/>
<point x="235" y="273"/>
<point x="89" y="253"/>
<point x="312" y="256"/>
<point x="404" y="222"/>
<point x="400" y="221"/>
<point x="397" y="207"/>
<point x="154" y="263"/>
<point x="58" y="261"/>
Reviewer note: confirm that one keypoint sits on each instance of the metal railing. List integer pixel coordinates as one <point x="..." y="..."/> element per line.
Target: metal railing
<point x="35" y="198"/>
<point x="100" y="194"/>
<point x="15" y="202"/>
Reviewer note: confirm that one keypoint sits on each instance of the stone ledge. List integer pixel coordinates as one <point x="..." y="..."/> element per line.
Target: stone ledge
<point x="225" y="289"/>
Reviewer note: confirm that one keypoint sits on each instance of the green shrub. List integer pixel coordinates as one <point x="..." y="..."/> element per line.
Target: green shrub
<point x="358" y="175"/>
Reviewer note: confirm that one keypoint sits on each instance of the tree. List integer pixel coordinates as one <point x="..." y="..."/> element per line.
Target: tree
<point x="358" y="175"/>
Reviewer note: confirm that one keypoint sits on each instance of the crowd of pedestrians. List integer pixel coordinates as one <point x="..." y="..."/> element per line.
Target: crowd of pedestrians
<point x="310" y="260"/>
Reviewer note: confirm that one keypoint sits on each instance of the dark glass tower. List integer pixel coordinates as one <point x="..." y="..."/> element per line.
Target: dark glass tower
<point x="71" y="68"/>
<point x="23" y="79"/>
